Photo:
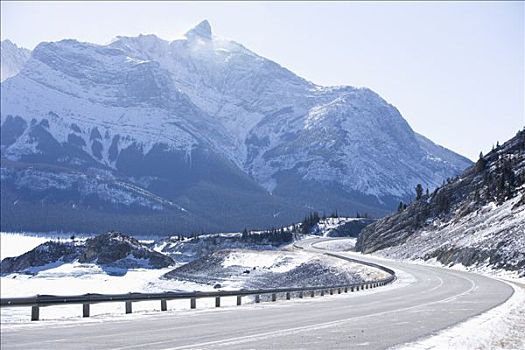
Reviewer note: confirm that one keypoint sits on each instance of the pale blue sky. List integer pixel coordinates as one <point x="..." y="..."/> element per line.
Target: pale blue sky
<point x="455" y="70"/>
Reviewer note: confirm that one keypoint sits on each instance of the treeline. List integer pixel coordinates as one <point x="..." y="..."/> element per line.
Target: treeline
<point x="495" y="177"/>
<point x="272" y="236"/>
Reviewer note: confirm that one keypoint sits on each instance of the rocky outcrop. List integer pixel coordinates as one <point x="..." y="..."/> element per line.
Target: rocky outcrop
<point x="45" y="255"/>
<point x="112" y="249"/>
<point x="117" y="248"/>
<point x="346" y="227"/>
<point x="475" y="219"/>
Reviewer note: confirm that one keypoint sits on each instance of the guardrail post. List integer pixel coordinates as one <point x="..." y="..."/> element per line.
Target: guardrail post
<point x="257" y="298"/>
<point x="312" y="293"/>
<point x="239" y="300"/>
<point x="193" y="303"/>
<point x="351" y="289"/>
<point x="331" y="292"/>
<point x="274" y="297"/>
<point x="301" y="294"/>
<point x="163" y="305"/>
<point x="287" y="295"/>
<point x="338" y="290"/>
<point x="85" y="310"/>
<point x="322" y="292"/>
<point x="346" y="289"/>
<point x="217" y="301"/>
<point x="35" y="313"/>
<point x="128" y="307"/>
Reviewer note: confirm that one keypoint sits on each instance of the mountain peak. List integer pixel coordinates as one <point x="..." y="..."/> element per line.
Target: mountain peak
<point x="201" y="30"/>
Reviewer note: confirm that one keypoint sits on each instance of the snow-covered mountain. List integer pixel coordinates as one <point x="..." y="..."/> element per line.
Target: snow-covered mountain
<point x="12" y="58"/>
<point x="476" y="219"/>
<point x="221" y="137"/>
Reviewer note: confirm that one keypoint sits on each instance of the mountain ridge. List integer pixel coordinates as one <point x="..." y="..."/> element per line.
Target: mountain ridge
<point x="154" y="113"/>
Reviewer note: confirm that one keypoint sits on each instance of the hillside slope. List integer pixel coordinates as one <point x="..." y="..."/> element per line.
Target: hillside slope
<point x="476" y="219"/>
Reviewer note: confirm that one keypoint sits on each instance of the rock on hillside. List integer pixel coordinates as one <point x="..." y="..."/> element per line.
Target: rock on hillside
<point x="119" y="249"/>
<point x="12" y="59"/>
<point x="112" y="249"/>
<point x="476" y="219"/>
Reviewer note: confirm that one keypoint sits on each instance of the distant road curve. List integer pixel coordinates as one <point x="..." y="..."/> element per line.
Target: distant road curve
<point x="423" y="300"/>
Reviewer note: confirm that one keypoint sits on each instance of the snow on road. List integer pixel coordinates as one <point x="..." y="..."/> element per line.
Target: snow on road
<point x="500" y="328"/>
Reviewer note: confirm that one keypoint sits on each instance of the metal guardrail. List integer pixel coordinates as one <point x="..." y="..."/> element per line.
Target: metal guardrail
<point x="35" y="302"/>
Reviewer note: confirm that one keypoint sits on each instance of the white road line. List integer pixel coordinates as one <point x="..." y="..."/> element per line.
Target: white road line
<point x="294" y="330"/>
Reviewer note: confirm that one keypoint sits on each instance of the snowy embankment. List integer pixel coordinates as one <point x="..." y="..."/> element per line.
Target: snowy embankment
<point x="494" y="232"/>
<point x="273" y="269"/>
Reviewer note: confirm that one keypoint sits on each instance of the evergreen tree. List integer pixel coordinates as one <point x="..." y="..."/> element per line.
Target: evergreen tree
<point x="419" y="192"/>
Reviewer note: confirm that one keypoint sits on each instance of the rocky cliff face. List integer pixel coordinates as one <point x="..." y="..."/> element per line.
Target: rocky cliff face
<point x="110" y="250"/>
<point x="475" y="219"/>
<point x="196" y="134"/>
<point x="13" y="59"/>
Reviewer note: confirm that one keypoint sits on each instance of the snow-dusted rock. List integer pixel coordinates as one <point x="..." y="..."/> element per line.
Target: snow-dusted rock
<point x="110" y="250"/>
<point x="12" y="59"/>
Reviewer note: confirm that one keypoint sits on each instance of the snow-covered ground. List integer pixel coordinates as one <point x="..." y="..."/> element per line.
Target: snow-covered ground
<point x="266" y="268"/>
<point x="497" y="231"/>
<point x="76" y="278"/>
<point x="233" y="269"/>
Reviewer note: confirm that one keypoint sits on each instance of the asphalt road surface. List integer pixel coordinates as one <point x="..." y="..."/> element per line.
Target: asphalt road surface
<point x="423" y="301"/>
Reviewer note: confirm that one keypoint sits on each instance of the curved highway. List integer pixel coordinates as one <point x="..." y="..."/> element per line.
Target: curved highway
<point x="423" y="300"/>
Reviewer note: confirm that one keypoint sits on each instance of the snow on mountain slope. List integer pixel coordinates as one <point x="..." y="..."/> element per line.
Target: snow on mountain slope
<point x="12" y="59"/>
<point x="81" y="87"/>
<point x="211" y="126"/>
<point x="491" y="238"/>
<point x="282" y="122"/>
<point x="476" y="219"/>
